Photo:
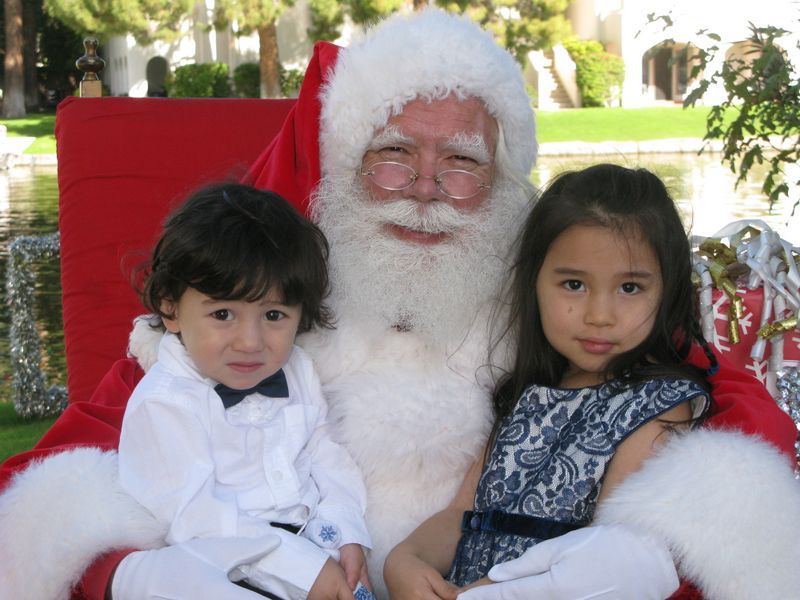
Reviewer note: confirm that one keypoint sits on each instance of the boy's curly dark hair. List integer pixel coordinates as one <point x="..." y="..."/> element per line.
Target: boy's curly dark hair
<point x="235" y="242"/>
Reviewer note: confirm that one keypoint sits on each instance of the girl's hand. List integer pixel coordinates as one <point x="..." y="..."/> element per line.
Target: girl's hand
<point x="330" y="584"/>
<point x="478" y="583"/>
<point x="409" y="578"/>
<point x="351" y="557"/>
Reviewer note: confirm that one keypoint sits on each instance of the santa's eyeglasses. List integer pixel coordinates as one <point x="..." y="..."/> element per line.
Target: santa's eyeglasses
<point x="454" y="183"/>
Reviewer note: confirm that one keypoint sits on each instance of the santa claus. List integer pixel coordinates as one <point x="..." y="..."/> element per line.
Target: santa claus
<point x="426" y="141"/>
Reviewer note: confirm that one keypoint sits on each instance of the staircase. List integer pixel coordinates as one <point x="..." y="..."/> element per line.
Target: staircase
<point x="557" y="98"/>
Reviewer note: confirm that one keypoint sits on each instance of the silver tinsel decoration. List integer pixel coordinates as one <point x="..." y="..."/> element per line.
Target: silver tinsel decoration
<point x="788" y="384"/>
<point x="32" y="397"/>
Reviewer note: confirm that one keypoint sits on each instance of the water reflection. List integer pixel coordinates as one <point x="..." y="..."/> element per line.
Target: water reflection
<point x="29" y="206"/>
<point x="702" y="187"/>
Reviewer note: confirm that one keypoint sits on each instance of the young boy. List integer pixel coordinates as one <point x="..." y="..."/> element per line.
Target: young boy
<point x="226" y="434"/>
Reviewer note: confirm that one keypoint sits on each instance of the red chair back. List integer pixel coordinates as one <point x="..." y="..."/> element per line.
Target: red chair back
<point x="123" y="163"/>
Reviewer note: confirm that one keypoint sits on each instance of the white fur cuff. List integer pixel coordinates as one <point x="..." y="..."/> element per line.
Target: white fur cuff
<point x="61" y="513"/>
<point x="728" y="507"/>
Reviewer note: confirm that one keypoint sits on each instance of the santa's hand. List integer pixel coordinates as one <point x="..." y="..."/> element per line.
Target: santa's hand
<point x="607" y="562"/>
<point x="196" y="569"/>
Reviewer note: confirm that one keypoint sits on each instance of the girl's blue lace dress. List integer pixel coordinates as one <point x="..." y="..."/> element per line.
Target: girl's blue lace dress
<point x="546" y="465"/>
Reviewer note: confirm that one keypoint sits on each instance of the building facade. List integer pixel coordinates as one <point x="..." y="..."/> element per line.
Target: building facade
<point x="656" y="70"/>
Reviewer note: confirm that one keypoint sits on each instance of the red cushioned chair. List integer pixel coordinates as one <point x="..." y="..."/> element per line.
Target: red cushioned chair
<point x="122" y="164"/>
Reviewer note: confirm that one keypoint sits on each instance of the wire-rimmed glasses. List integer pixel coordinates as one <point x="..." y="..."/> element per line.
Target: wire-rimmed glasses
<point x="454" y="183"/>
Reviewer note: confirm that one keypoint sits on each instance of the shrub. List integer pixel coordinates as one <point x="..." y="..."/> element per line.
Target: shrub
<point x="246" y="80"/>
<point x="291" y="79"/>
<point x="206" y="80"/>
<point x="597" y="72"/>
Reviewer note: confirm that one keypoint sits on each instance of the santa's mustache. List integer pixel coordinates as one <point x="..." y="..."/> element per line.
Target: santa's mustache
<point x="433" y="217"/>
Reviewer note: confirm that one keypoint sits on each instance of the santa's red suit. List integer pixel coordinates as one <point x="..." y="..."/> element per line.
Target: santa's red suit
<point x="413" y="408"/>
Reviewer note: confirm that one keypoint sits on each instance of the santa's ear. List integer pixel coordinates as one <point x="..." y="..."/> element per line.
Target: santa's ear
<point x="170" y="308"/>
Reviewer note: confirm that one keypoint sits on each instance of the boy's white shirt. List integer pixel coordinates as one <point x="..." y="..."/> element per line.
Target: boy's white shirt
<point x="205" y="471"/>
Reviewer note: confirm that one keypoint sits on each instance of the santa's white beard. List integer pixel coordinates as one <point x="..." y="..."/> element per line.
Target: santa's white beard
<point x="435" y="289"/>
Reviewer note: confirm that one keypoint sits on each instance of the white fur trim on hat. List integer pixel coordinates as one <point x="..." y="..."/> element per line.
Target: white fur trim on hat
<point x="728" y="507"/>
<point x="429" y="54"/>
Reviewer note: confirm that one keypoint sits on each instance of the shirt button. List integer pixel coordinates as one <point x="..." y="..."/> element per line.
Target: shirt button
<point x="277" y="476"/>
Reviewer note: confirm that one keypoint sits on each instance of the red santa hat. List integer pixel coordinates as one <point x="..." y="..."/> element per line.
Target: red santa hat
<point x="349" y="94"/>
<point x="290" y="164"/>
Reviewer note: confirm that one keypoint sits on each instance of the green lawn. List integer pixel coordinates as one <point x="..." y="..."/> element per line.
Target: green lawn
<point x="621" y="124"/>
<point x="39" y="126"/>
<point x="585" y="124"/>
<point x="18" y="434"/>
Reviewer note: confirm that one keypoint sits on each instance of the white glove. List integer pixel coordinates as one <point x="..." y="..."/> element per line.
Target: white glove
<point x="608" y="562"/>
<point x="194" y="570"/>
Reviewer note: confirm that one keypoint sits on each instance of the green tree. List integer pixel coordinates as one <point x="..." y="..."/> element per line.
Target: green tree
<point x="326" y="18"/>
<point x="49" y="50"/>
<point x="58" y="49"/>
<point x="30" y="17"/>
<point x="145" y="20"/>
<point x="519" y="26"/>
<point x="328" y="15"/>
<point x="759" y="119"/>
<point x="259" y="16"/>
<point x="148" y="20"/>
<point x="14" y="79"/>
<point x="369" y="11"/>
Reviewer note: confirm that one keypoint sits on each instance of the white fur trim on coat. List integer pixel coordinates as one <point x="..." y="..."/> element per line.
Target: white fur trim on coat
<point x="728" y="507"/>
<point x="430" y="54"/>
<point x="143" y="341"/>
<point x="413" y="413"/>
<point x="61" y="513"/>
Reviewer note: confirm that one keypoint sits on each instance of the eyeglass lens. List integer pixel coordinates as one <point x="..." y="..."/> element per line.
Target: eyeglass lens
<point x="397" y="176"/>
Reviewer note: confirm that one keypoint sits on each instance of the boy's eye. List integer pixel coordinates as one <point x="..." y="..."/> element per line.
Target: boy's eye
<point x="274" y="315"/>
<point x="223" y="314"/>
<point x="630" y="287"/>
<point x="573" y="285"/>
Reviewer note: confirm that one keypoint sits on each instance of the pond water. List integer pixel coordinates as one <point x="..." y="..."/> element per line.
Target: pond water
<point x="702" y="187"/>
<point x="29" y="206"/>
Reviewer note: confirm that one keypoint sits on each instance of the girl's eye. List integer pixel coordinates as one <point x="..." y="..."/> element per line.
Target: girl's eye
<point x="630" y="287"/>
<point x="223" y="314"/>
<point x="274" y="315"/>
<point x="573" y="285"/>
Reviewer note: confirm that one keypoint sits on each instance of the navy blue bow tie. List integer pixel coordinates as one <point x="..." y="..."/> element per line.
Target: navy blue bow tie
<point x="273" y="386"/>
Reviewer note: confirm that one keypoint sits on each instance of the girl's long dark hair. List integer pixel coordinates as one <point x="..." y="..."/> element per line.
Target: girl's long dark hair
<point x="635" y="203"/>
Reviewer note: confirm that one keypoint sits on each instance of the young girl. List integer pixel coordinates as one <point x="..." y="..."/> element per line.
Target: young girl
<point x="602" y="311"/>
<point x="226" y="434"/>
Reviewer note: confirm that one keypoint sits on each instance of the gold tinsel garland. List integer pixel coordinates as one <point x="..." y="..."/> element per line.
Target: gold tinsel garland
<point x="724" y="268"/>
